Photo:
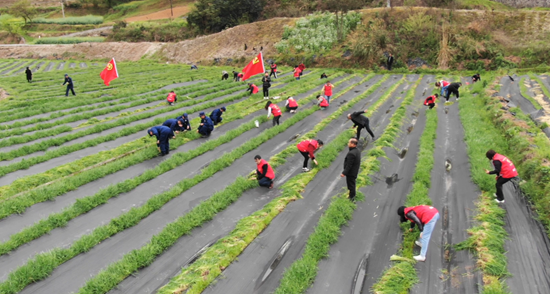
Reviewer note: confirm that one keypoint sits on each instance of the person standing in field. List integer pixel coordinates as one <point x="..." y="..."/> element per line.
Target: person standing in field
<point x="453" y="89"/>
<point x="272" y="108"/>
<point x="216" y="115"/>
<point x="28" y="72"/>
<point x="175" y="125"/>
<point x="225" y="75"/>
<point x="504" y="170"/>
<point x="163" y="134"/>
<point x="291" y="104"/>
<point x="266" y="83"/>
<point x="425" y="217"/>
<point x="307" y="148"/>
<point x="171" y="98"/>
<point x="322" y="102"/>
<point x="352" y="163"/>
<point x="297" y="73"/>
<point x="443" y="86"/>
<point x="273" y="70"/>
<point x="206" y="126"/>
<point x="264" y="172"/>
<point x="70" y="85"/>
<point x="390" y="61"/>
<point x="185" y="120"/>
<point x="360" y="121"/>
<point x="430" y="101"/>
<point x="327" y="90"/>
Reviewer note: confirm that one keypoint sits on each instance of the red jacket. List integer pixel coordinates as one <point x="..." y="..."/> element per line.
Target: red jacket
<point x="328" y="90"/>
<point x="254" y="89"/>
<point x="324" y="102"/>
<point x="425" y="213"/>
<point x="297" y="72"/>
<point x="292" y="102"/>
<point x="274" y="67"/>
<point x="508" y="170"/>
<point x="308" y="146"/>
<point x="275" y="109"/>
<point x="171" y="97"/>
<point x="430" y="100"/>
<point x="270" y="174"/>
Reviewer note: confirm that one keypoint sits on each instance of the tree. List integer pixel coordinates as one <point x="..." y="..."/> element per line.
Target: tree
<point x="212" y="16"/>
<point x="24" y="9"/>
<point x="340" y="7"/>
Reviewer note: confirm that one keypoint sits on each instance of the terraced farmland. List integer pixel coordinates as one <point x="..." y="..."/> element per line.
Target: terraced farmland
<point x="87" y="204"/>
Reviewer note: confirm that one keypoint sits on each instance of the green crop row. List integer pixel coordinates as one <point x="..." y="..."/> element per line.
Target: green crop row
<point x="33" y="181"/>
<point x="203" y="271"/>
<point x="525" y="93"/>
<point x="41" y="265"/>
<point x="401" y="276"/>
<point x="508" y="135"/>
<point x="72" y="20"/>
<point x="68" y="40"/>
<point x="58" y="219"/>
<point x="542" y="87"/>
<point x="116" y="272"/>
<point x="301" y="274"/>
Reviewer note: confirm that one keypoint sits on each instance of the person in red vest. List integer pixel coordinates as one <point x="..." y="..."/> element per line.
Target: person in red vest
<point x="425" y="217"/>
<point x="327" y="90"/>
<point x="291" y="104"/>
<point x="443" y="85"/>
<point x="171" y="98"/>
<point x="273" y="70"/>
<point x="239" y="76"/>
<point x="430" y="101"/>
<point x="272" y="108"/>
<point x="253" y="88"/>
<point x="302" y="67"/>
<point x="323" y="103"/>
<point x="307" y="148"/>
<point x="297" y="73"/>
<point x="504" y="169"/>
<point x="264" y="172"/>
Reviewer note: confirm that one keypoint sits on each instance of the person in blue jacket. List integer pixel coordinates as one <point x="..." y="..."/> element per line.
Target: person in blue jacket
<point x="175" y="125"/>
<point x="163" y="134"/>
<point x="216" y="115"/>
<point x="186" y="123"/>
<point x="206" y="127"/>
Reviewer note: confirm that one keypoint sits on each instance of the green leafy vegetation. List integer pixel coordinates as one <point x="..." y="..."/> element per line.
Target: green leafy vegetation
<point x="525" y="93"/>
<point x="68" y="40"/>
<point x="73" y="20"/>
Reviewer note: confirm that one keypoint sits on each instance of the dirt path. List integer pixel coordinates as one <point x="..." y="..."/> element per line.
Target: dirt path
<point x="163" y="14"/>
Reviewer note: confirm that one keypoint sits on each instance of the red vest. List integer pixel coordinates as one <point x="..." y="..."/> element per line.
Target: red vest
<point x="324" y="102"/>
<point x="425" y="213"/>
<point x="430" y="99"/>
<point x="308" y="146"/>
<point x="274" y="67"/>
<point x="292" y="102"/>
<point x="240" y="75"/>
<point x="444" y="83"/>
<point x="328" y="90"/>
<point x="171" y="97"/>
<point x="254" y="89"/>
<point x="508" y="170"/>
<point x="270" y="174"/>
<point x="275" y="109"/>
<point x="297" y="72"/>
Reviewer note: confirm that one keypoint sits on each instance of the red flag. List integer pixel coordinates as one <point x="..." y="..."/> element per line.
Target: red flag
<point x="256" y="66"/>
<point x="109" y="73"/>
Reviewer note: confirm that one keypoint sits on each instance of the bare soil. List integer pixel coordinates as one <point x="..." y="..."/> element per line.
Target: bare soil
<point x="3" y="94"/>
<point x="163" y="14"/>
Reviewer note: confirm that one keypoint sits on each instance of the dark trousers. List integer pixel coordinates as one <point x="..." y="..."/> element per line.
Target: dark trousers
<point x="204" y="131"/>
<point x="500" y="182"/>
<point x="276" y="120"/>
<point x="359" y="127"/>
<point x="431" y="105"/>
<point x="225" y="77"/>
<point x="389" y="65"/>
<point x="265" y="182"/>
<point x="306" y="157"/>
<point x="291" y="108"/>
<point x="69" y="88"/>
<point x="451" y="91"/>
<point x="273" y="73"/>
<point x="351" y="186"/>
<point x="266" y="91"/>
<point x="164" y="147"/>
<point x="216" y="120"/>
